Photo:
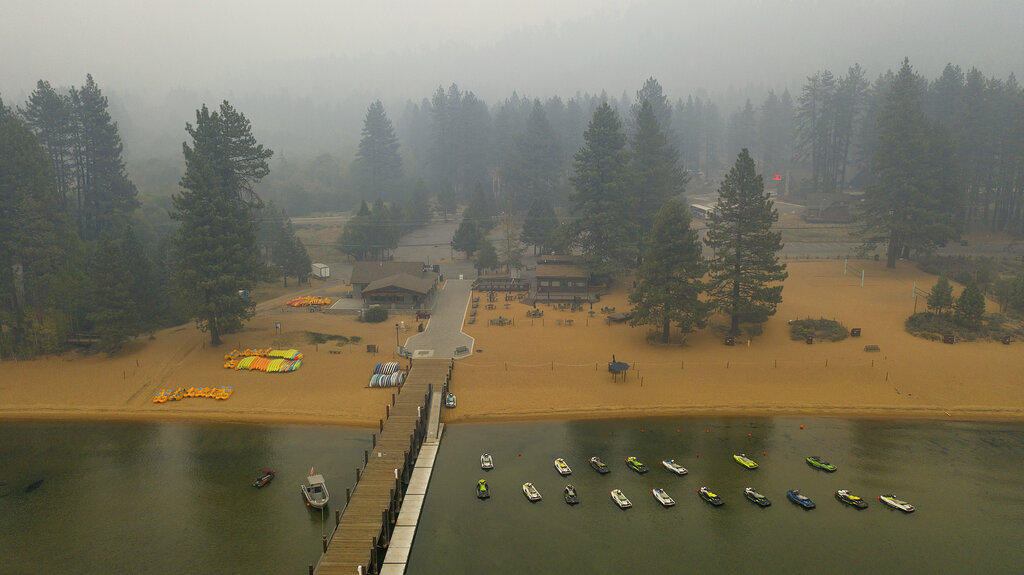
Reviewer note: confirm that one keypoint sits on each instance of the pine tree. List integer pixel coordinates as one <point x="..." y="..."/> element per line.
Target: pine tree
<point x="602" y="193"/>
<point x="378" y="165"/>
<point x="539" y="225"/>
<point x="1016" y="296"/>
<point x="49" y="114"/>
<point x="656" y="167"/>
<point x="418" y="212"/>
<point x="480" y="210"/>
<point x="746" y="262"/>
<point x="915" y="199"/>
<point x="670" y="277"/>
<point x="486" y="256"/>
<point x="142" y="285"/>
<point x="652" y="93"/>
<point x="114" y="314"/>
<point x="941" y="296"/>
<point x="532" y="167"/>
<point x="356" y="238"/>
<point x="970" y="306"/>
<point x="105" y="196"/>
<point x="36" y="247"/>
<point x="467" y="238"/>
<point x="215" y="246"/>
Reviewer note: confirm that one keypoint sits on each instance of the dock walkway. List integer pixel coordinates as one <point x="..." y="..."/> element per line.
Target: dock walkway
<point x="383" y="487"/>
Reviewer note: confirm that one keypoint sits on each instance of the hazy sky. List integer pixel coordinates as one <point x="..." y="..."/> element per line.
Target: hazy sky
<point x="395" y="49"/>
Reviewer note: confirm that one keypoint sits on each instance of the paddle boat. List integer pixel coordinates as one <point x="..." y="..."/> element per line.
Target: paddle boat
<point x="481" y="490"/>
<point x="800" y="499"/>
<point x="707" y="495"/>
<point x="315" y="491"/>
<point x="817" y="463"/>
<point x="620" y="499"/>
<point x="662" y="497"/>
<point x="531" y="492"/>
<point x="266" y="476"/>
<point x="562" y="467"/>
<point x="570" y="495"/>
<point x="635" y="464"/>
<point x="895" y="503"/>
<point x="674" y="467"/>
<point x="599" y="465"/>
<point x="756" y="497"/>
<point x="486" y="462"/>
<point x="848" y="498"/>
<point x="745" y="461"/>
<point x="449" y="400"/>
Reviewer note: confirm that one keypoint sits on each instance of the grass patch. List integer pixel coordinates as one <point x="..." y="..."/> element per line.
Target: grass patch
<point x="819" y="329"/>
<point x="993" y="327"/>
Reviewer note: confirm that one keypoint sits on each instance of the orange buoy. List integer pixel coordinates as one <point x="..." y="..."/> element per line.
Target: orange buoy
<point x="748" y="435"/>
<point x="801" y="427"/>
<point x="641" y="431"/>
<point x="707" y="431"/>
<point x="764" y="453"/>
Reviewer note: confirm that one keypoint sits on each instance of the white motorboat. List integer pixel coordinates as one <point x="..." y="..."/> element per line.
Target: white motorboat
<point x="662" y="497"/>
<point x="674" y="467"/>
<point x="620" y="499"/>
<point x="486" y="462"/>
<point x="895" y="503"/>
<point x="531" y="492"/>
<point x="315" y="491"/>
<point x="562" y="467"/>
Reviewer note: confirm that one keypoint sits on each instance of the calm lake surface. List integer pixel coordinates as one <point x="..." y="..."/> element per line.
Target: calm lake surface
<point x="165" y="497"/>
<point x="964" y="478"/>
<point x="176" y="498"/>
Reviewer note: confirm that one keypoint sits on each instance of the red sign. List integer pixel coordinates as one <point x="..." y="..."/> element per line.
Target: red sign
<point x="777" y="178"/>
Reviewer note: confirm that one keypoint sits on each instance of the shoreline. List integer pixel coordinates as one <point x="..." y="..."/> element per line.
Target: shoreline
<point x="983" y="414"/>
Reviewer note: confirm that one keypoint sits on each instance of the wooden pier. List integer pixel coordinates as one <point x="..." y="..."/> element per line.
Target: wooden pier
<point x="364" y="529"/>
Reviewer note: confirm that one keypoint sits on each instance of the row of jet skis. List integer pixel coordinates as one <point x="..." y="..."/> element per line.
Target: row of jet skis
<point x="619" y="498"/>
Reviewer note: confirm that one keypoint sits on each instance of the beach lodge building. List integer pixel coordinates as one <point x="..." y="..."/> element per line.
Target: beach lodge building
<point x="394" y="285"/>
<point x="562" y="278"/>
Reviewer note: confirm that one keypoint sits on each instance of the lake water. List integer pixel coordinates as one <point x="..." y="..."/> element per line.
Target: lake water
<point x="964" y="478"/>
<point x="176" y="498"/>
<point x="166" y="498"/>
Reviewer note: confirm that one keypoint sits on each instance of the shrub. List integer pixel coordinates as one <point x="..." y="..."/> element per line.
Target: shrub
<point x="821" y="328"/>
<point x="375" y="314"/>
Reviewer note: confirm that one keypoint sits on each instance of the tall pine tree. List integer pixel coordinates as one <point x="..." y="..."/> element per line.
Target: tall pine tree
<point x="670" y="277"/>
<point x="745" y="270"/>
<point x="378" y="165"/>
<point x="659" y="177"/>
<point x="602" y="194"/>
<point x="215" y="247"/>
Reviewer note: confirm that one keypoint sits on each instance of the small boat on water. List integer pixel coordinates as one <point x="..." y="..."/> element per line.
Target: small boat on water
<point x="707" y="495"/>
<point x="800" y="499"/>
<point x="449" y="400"/>
<point x="315" y="491"/>
<point x="486" y="462"/>
<point x="481" y="490"/>
<point x="570" y="495"/>
<point x="756" y="497"/>
<point x="745" y="461"/>
<point x="674" y="467"/>
<point x="620" y="499"/>
<point x="895" y="503"/>
<point x="531" y="492"/>
<point x="562" y="467"/>
<point x="266" y="476"/>
<point x="662" y="497"/>
<point x="816" y="462"/>
<point x="848" y="498"/>
<point x="599" y="465"/>
<point x="636" y="465"/>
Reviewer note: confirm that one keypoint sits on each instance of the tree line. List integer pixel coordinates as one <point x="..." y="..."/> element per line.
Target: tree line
<point x="74" y="266"/>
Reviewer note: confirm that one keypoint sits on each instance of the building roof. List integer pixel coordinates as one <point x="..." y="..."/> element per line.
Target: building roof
<point x="406" y="282"/>
<point x="367" y="272"/>
<point x="560" y="271"/>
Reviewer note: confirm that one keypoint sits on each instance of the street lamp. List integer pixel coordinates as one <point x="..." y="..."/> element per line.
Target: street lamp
<point x="396" y="337"/>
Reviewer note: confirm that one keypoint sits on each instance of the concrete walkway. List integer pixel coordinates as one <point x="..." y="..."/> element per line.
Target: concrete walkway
<point x="443" y="334"/>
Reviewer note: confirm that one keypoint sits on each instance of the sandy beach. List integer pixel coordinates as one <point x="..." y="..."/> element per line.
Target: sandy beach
<point x="544" y="368"/>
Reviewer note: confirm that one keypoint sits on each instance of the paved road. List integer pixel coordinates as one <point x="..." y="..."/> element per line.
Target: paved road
<point x="443" y="334"/>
